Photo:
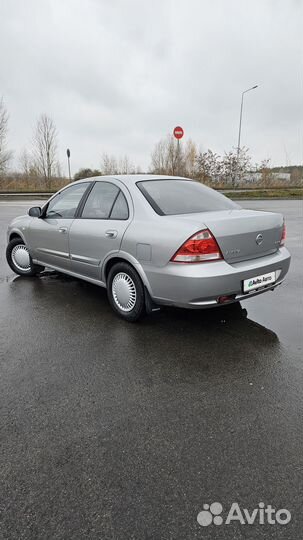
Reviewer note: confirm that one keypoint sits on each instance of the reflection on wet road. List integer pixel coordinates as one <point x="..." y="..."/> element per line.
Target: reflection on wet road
<point x="113" y="430"/>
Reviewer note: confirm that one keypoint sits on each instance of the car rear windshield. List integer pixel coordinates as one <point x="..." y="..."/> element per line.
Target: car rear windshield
<point x="172" y="197"/>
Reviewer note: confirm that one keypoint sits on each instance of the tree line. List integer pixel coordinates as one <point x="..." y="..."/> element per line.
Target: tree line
<point x="233" y="168"/>
<point x="40" y="163"/>
<point x="39" y="166"/>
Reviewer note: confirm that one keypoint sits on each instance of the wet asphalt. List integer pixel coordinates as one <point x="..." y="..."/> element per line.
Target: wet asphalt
<point x="111" y="430"/>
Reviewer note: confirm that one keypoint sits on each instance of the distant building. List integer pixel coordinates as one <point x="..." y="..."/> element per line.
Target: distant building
<point x="253" y="177"/>
<point x="281" y="176"/>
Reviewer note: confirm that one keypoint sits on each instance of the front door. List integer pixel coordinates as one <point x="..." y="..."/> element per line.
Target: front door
<point x="48" y="234"/>
<point x="99" y="230"/>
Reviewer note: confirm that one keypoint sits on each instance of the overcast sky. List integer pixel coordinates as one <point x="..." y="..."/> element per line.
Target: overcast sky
<point x="117" y="75"/>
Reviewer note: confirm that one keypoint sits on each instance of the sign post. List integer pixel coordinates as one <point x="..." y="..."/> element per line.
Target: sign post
<point x="178" y="134"/>
<point x="68" y="161"/>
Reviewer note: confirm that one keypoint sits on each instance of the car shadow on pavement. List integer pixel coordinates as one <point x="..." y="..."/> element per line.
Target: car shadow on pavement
<point x="94" y="300"/>
<point x="222" y="338"/>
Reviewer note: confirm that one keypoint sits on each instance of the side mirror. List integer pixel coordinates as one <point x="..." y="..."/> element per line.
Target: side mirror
<point x="35" y="211"/>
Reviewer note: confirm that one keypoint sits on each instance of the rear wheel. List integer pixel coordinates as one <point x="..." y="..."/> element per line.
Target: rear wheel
<point x="19" y="259"/>
<point x="125" y="292"/>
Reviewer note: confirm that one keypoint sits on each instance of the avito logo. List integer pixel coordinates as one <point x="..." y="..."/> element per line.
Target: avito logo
<point x="262" y="515"/>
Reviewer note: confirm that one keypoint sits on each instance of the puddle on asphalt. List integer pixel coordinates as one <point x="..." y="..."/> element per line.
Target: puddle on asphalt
<point x="263" y="312"/>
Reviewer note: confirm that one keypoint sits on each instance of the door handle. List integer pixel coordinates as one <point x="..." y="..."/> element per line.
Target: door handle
<point x="111" y="234"/>
<point x="62" y="230"/>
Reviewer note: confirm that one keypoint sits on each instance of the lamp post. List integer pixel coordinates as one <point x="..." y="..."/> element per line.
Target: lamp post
<point x="68" y="162"/>
<point x="240" y="124"/>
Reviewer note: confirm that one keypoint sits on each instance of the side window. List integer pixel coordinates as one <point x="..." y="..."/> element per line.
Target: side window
<point x="120" y="208"/>
<point x="65" y="204"/>
<point x="100" y="201"/>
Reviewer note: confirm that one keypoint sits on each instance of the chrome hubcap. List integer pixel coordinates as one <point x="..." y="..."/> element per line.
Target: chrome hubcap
<point x="124" y="292"/>
<point x="20" y="257"/>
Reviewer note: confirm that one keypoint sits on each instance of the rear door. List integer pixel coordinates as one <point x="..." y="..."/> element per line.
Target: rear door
<point x="49" y="233"/>
<point x="99" y="229"/>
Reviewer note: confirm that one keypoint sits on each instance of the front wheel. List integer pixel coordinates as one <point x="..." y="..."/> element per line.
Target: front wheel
<point x="125" y="292"/>
<point x="19" y="259"/>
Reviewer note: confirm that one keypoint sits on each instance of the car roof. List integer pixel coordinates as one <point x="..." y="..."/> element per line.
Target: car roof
<point x="131" y="178"/>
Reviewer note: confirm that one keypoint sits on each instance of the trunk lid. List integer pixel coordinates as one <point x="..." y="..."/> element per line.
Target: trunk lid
<point x="246" y="234"/>
<point x="242" y="234"/>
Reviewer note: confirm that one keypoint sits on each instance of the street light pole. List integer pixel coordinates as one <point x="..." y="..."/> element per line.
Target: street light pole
<point x="240" y="124"/>
<point x="68" y="162"/>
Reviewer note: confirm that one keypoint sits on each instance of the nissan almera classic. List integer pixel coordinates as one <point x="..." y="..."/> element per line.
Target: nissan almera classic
<point x="152" y="241"/>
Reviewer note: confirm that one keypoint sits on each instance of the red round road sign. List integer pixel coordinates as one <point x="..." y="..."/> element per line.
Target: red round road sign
<point x="178" y="132"/>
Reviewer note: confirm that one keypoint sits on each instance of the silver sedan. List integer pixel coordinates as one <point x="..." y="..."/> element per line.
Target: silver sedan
<point x="152" y="241"/>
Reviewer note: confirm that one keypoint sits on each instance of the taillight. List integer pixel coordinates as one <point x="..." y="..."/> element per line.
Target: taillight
<point x="198" y="248"/>
<point x="283" y="237"/>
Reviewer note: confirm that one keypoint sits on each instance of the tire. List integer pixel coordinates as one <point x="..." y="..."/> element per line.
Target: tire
<point x="125" y="292"/>
<point x="19" y="259"/>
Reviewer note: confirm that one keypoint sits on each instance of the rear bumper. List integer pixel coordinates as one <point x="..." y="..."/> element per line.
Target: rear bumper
<point x="200" y="285"/>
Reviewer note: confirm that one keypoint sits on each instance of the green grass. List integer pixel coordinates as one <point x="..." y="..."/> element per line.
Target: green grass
<point x="287" y="193"/>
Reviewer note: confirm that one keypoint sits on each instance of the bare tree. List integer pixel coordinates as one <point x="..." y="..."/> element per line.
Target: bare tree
<point x="190" y="159"/>
<point x="5" y="155"/>
<point x="208" y="167"/>
<point x="26" y="164"/>
<point x="108" y="165"/>
<point x="112" y="165"/>
<point x="159" y="158"/>
<point x="167" y="157"/>
<point x="45" y="148"/>
<point x="266" y="173"/>
<point x="125" y="166"/>
<point x="235" y="166"/>
<point x="175" y="156"/>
